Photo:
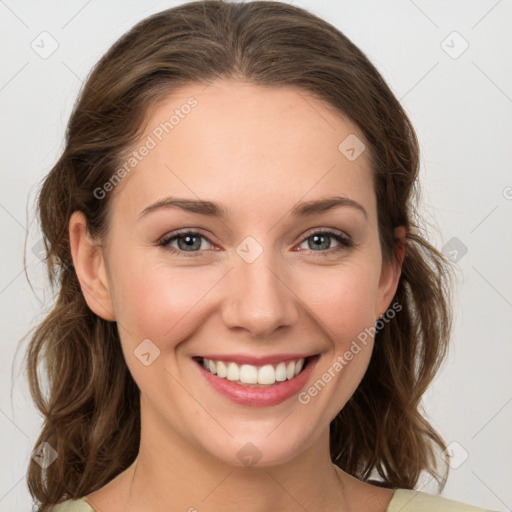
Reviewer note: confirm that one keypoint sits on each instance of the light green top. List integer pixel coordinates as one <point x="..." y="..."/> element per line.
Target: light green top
<point x="403" y="500"/>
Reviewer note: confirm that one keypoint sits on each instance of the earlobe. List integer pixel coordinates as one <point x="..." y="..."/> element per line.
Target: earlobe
<point x="89" y="263"/>
<point x="390" y="275"/>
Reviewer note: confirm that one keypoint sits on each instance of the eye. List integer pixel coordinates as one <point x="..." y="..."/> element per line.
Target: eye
<point x="188" y="243"/>
<point x="320" y="241"/>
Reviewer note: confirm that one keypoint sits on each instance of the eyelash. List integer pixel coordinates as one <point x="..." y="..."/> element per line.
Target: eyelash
<point x="345" y="242"/>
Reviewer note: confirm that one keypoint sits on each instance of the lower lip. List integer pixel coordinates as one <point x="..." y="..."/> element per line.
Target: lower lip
<point x="259" y="397"/>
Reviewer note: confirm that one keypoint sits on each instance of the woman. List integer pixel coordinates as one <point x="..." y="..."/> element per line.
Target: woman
<point x="247" y="315"/>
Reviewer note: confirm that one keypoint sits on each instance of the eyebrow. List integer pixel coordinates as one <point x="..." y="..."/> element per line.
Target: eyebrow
<point x="212" y="209"/>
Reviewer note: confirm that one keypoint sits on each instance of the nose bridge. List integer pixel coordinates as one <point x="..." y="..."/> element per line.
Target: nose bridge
<point x="258" y="298"/>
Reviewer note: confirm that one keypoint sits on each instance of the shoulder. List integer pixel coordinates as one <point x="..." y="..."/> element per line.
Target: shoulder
<point x="72" y="506"/>
<point x="405" y="500"/>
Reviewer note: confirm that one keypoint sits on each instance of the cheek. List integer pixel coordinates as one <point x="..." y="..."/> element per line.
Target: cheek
<point x="342" y="298"/>
<point x="342" y="302"/>
<point x="164" y="305"/>
<point x="159" y="302"/>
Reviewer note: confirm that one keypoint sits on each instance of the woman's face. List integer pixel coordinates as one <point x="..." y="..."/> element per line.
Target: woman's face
<point x="263" y="279"/>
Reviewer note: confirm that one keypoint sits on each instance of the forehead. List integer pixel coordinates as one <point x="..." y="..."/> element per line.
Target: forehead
<point x="245" y="143"/>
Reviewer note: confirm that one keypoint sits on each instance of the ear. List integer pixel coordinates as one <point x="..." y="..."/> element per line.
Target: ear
<point x="89" y="263"/>
<point x="390" y="274"/>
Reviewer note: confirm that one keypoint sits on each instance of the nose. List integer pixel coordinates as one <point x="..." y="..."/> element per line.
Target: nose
<point x="258" y="297"/>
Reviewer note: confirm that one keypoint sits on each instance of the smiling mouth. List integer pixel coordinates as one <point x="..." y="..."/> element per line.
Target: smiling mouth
<point x="263" y="376"/>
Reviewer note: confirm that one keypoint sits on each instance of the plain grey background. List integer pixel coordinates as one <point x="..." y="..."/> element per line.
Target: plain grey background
<point x="447" y="61"/>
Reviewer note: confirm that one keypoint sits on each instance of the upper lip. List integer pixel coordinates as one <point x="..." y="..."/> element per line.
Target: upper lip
<point x="256" y="360"/>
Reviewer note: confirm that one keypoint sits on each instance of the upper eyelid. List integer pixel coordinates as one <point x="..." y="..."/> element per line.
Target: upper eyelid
<point x="194" y="231"/>
<point x="328" y="231"/>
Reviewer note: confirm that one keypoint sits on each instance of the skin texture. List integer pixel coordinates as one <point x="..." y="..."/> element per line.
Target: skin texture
<point x="257" y="151"/>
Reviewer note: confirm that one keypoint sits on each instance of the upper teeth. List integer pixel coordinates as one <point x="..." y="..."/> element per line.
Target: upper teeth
<point x="249" y="374"/>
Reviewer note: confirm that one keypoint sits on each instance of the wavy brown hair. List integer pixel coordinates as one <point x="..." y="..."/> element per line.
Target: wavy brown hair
<point x="91" y="405"/>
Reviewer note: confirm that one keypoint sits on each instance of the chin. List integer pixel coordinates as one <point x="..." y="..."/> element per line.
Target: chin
<point x="260" y="449"/>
